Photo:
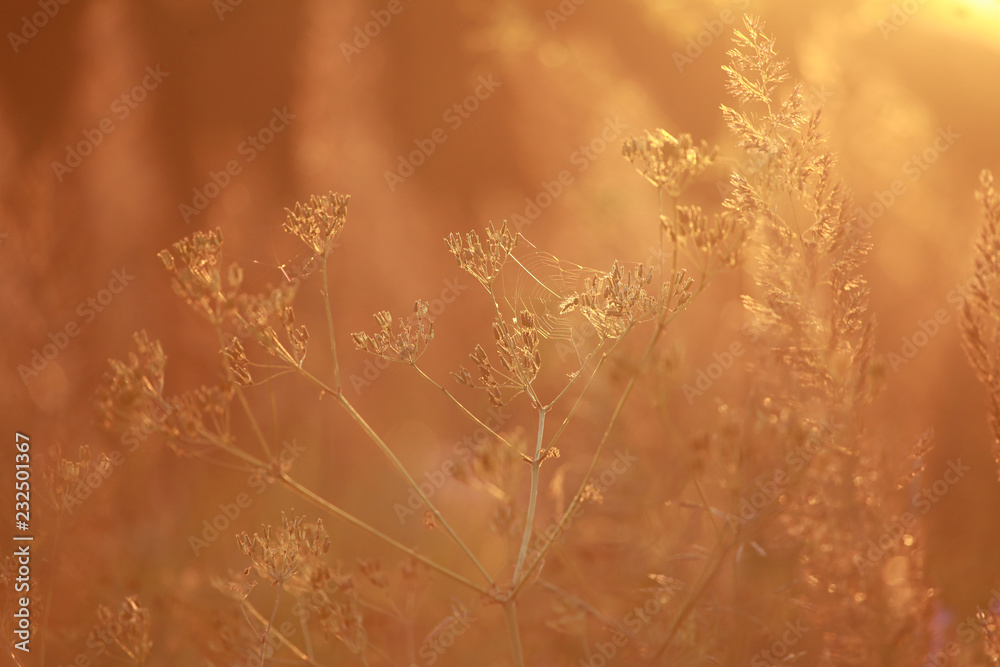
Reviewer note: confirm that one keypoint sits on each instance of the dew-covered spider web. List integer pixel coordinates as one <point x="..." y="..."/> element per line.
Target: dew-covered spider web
<point x="541" y="284"/>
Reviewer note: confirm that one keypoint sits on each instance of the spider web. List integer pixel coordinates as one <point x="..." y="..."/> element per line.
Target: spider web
<point x="538" y="282"/>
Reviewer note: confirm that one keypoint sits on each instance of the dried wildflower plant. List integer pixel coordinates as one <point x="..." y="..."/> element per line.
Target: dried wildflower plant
<point x="602" y="306"/>
<point x="196" y="422"/>
<point x="483" y="264"/>
<point x="713" y="242"/>
<point x="790" y="223"/>
<point x="264" y="315"/>
<point x="196" y="265"/>
<point x="981" y="309"/>
<point x="319" y="222"/>
<point x="131" y="624"/>
<point x="278" y="554"/>
<point x="668" y="162"/>
<point x="62" y="476"/>
<point x="811" y="294"/>
<point x="132" y="395"/>
<point x="816" y="372"/>
<point x="615" y="302"/>
<point x="404" y="340"/>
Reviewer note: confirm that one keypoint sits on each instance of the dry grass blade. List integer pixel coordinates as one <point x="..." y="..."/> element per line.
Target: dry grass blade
<point x="981" y="310"/>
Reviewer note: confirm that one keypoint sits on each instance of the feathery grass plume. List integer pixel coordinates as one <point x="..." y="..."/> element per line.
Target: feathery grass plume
<point x="981" y="310"/>
<point x="811" y="308"/>
<point x="407" y="343"/>
<point x="132" y="625"/>
<point x="319" y="222"/>
<point x="811" y="293"/>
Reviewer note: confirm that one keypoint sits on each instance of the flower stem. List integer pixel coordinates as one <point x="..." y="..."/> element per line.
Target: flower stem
<point x="329" y="325"/>
<point x="471" y="416"/>
<point x="375" y="438"/>
<point x="529" y="520"/>
<point x="333" y="509"/>
<point x="513" y="632"/>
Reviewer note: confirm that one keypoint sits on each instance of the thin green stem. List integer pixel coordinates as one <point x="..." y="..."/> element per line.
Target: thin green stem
<point x="529" y="520"/>
<point x="299" y="653"/>
<point x="329" y="325"/>
<point x="375" y="438"/>
<point x="270" y="624"/>
<point x="336" y="511"/>
<point x="661" y="326"/>
<point x="239" y="392"/>
<point x="470" y="415"/>
<point x="253" y="422"/>
<point x="51" y="583"/>
<point x="663" y="268"/>
<point x="586" y="386"/>
<point x="704" y="578"/>
<point x="513" y="632"/>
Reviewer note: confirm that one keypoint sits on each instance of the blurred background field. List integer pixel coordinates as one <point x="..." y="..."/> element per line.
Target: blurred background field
<point x="910" y="105"/>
